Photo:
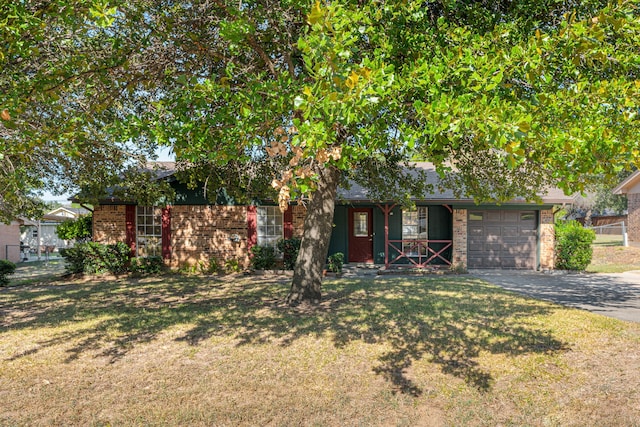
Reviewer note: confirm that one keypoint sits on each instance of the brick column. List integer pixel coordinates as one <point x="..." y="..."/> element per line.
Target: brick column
<point x="459" y="256"/>
<point x="547" y="240"/>
<point x="633" y="218"/>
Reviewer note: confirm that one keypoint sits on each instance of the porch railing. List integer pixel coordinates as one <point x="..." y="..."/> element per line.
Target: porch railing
<point x="417" y="252"/>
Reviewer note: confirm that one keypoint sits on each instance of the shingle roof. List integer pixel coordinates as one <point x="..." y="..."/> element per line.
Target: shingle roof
<point x="357" y="193"/>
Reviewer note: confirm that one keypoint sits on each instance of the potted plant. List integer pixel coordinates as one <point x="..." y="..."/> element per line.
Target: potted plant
<point x="335" y="263"/>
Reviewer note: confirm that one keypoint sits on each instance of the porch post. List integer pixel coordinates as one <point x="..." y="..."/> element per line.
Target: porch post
<point x="386" y="236"/>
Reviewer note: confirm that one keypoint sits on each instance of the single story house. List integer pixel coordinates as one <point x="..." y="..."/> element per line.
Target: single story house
<point x="631" y="188"/>
<point x="42" y="232"/>
<point x="442" y="230"/>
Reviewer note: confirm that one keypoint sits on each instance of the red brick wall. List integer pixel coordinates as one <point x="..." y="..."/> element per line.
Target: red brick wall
<point x="197" y="233"/>
<point x="109" y="224"/>
<point x="202" y="233"/>
<point x="633" y="218"/>
<point x="299" y="212"/>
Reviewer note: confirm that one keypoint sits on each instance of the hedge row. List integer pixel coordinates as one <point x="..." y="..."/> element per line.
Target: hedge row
<point x="98" y="258"/>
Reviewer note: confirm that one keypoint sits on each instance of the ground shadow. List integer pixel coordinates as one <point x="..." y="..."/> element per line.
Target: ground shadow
<point x="448" y="320"/>
<point x="615" y="295"/>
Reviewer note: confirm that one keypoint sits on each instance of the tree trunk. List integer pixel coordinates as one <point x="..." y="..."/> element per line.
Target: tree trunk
<point x="318" y="225"/>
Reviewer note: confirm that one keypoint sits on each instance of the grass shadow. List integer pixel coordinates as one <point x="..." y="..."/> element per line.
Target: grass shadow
<point x="448" y="320"/>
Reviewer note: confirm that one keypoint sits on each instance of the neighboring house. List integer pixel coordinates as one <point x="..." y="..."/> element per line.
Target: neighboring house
<point x="10" y="241"/>
<point x="631" y="188"/>
<point x="68" y="212"/>
<point x="441" y="231"/>
<point x="42" y="232"/>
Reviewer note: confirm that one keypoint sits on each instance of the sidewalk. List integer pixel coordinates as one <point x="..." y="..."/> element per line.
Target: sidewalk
<point x="35" y="269"/>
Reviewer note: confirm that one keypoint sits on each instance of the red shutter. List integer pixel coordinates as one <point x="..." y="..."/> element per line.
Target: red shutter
<point x="287" y="222"/>
<point x="130" y="221"/>
<point x="252" y="227"/>
<point x="166" y="233"/>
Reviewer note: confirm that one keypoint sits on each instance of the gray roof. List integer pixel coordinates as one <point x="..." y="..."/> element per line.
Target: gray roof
<point x="357" y="193"/>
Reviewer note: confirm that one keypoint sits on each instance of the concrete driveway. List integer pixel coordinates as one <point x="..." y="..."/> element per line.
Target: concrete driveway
<point x="614" y="295"/>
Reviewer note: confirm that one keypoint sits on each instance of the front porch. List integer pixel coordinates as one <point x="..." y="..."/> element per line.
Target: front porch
<point x="394" y="238"/>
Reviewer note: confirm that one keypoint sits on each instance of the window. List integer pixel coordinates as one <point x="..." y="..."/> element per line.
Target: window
<point x="476" y="216"/>
<point x="414" y="227"/>
<point x="149" y="231"/>
<point x="361" y="224"/>
<point x="34" y="233"/>
<point x="269" y="225"/>
<point x="527" y="216"/>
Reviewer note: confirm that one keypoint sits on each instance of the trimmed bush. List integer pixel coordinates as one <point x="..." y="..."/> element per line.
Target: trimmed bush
<point x="264" y="257"/>
<point x="289" y="249"/>
<point x="7" y="268"/>
<point x="573" y="246"/>
<point x="147" y="265"/>
<point x="74" y="259"/>
<point x="97" y="258"/>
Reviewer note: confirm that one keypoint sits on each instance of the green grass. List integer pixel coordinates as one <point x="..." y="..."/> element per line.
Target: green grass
<point x="176" y="350"/>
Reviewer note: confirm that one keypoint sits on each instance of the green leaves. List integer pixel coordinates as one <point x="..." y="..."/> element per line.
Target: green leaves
<point x="517" y="95"/>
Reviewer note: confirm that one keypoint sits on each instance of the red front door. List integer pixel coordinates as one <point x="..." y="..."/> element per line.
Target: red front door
<point x="360" y="235"/>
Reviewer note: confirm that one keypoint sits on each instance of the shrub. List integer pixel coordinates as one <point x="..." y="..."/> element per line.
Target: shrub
<point x="573" y="246"/>
<point x="335" y="262"/>
<point x="7" y="268"/>
<point x="147" y="265"/>
<point x="233" y="265"/>
<point x="264" y="257"/>
<point x="96" y="258"/>
<point x="74" y="259"/>
<point x="289" y="249"/>
<point x="210" y="267"/>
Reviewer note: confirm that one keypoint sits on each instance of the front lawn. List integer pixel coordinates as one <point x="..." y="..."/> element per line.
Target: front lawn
<point x="614" y="258"/>
<point x="177" y="350"/>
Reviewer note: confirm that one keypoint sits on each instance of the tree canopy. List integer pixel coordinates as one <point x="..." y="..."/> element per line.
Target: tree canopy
<point x="293" y="97"/>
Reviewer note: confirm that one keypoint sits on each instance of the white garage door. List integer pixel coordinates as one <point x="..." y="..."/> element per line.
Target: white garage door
<point x="502" y="239"/>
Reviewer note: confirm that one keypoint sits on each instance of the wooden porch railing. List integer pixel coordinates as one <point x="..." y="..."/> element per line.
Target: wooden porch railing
<point x="417" y="252"/>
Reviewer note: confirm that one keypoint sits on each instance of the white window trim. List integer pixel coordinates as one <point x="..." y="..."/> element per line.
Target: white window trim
<point x="269" y="234"/>
<point x="145" y="240"/>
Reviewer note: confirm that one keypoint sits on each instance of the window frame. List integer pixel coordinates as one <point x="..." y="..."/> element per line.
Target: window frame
<point x="270" y="233"/>
<point x="148" y="244"/>
<point x="416" y="219"/>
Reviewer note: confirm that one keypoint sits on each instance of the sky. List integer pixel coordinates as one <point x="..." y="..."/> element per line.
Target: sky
<point x="165" y="154"/>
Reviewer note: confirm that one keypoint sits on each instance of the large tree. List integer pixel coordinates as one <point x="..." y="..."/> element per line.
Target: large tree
<point x="505" y="97"/>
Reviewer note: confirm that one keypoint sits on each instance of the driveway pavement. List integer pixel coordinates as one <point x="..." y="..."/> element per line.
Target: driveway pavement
<point x="614" y="295"/>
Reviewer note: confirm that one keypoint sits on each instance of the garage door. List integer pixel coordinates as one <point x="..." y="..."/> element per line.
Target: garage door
<point x="502" y="239"/>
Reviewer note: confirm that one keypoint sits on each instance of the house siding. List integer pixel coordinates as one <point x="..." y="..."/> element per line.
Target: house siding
<point x="10" y="242"/>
